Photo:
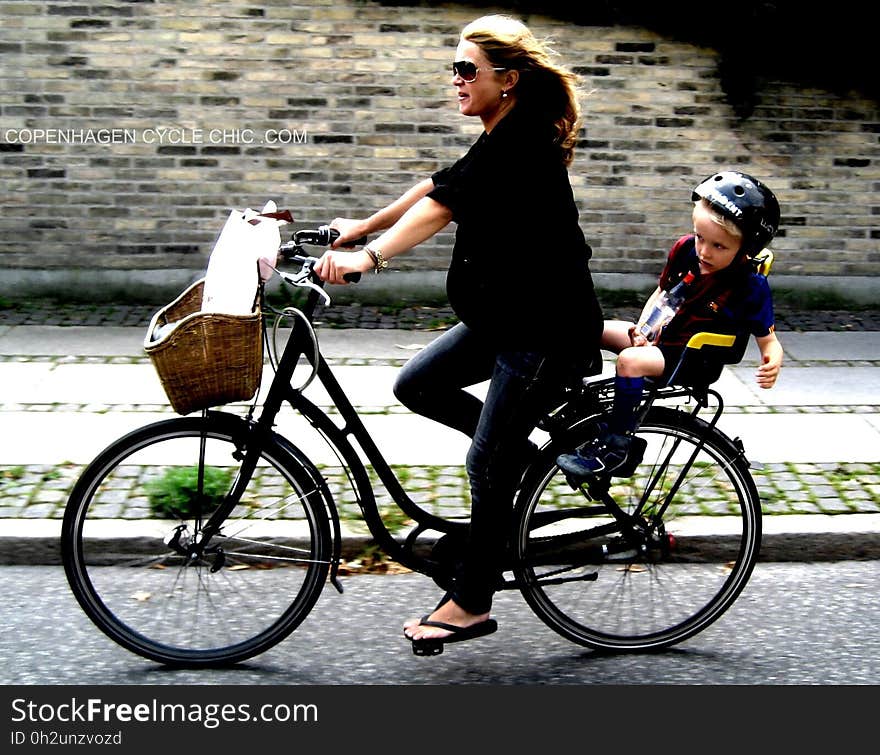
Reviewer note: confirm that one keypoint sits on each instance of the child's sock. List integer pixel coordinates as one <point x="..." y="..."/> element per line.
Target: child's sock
<point x="627" y="397"/>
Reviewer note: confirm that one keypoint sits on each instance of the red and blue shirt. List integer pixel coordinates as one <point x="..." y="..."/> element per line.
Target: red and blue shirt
<point x="735" y="300"/>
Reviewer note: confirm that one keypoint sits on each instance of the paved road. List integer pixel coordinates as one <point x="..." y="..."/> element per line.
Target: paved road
<point x="811" y="624"/>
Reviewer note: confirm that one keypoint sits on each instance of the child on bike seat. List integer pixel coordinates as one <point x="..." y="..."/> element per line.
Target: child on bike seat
<point x="735" y="216"/>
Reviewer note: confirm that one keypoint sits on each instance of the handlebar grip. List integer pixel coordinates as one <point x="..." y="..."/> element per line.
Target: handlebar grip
<point x="325" y="236"/>
<point x="333" y="234"/>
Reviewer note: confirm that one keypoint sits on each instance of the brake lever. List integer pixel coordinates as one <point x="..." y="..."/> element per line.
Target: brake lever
<point x="302" y="279"/>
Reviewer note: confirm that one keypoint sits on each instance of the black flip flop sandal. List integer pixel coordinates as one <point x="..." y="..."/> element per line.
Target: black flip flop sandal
<point x="434" y="645"/>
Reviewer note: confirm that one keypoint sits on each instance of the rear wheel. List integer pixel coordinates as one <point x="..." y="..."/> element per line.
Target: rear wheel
<point x="133" y="557"/>
<point x="669" y="568"/>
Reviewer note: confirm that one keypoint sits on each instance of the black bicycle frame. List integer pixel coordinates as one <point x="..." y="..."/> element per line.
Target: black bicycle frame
<point x="280" y="391"/>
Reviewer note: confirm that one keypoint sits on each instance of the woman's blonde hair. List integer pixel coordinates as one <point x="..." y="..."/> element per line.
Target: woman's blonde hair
<point x="544" y="87"/>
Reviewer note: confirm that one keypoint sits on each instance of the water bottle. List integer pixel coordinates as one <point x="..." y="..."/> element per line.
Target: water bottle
<point x="664" y="310"/>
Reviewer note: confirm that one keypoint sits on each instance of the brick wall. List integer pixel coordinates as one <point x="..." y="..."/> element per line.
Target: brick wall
<point x="128" y="129"/>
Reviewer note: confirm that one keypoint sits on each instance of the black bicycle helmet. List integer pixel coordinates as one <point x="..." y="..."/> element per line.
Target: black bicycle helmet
<point x="747" y="202"/>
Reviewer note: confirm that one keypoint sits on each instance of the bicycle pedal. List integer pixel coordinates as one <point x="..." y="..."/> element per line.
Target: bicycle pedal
<point x="427" y="647"/>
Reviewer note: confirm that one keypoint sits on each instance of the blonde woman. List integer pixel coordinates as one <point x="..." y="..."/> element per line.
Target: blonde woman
<point x="518" y="281"/>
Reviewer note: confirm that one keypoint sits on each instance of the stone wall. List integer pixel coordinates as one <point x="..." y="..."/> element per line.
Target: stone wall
<point x="128" y="130"/>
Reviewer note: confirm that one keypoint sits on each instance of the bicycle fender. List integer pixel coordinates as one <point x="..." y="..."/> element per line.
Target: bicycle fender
<point x="326" y="497"/>
<point x="239" y="425"/>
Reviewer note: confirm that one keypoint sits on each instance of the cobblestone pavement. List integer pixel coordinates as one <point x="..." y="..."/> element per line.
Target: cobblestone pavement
<point x="416" y="317"/>
<point x="40" y="491"/>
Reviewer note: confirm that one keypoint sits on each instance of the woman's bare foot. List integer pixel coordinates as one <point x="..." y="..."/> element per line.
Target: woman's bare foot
<point x="448" y="613"/>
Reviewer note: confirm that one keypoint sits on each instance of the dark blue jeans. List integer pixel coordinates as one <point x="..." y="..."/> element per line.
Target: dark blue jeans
<point x="524" y="386"/>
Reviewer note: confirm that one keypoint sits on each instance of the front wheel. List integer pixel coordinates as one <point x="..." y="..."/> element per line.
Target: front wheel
<point x="671" y="565"/>
<point x="134" y="560"/>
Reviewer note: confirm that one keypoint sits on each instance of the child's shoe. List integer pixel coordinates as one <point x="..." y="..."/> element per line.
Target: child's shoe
<point x="612" y="455"/>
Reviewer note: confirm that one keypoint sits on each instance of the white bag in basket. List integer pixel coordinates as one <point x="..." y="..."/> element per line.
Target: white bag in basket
<point x="245" y="251"/>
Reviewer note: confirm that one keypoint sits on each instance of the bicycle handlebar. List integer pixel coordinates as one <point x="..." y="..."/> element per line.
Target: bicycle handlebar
<point x="325" y="236"/>
<point x="322" y="236"/>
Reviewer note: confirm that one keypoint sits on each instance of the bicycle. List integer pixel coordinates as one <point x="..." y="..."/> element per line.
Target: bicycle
<point x="625" y="564"/>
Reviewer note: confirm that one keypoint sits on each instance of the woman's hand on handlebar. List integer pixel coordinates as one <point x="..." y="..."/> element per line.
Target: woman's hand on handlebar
<point x="350" y="232"/>
<point x="333" y="266"/>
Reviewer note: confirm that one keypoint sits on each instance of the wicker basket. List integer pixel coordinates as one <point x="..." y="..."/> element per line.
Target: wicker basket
<point x="207" y="358"/>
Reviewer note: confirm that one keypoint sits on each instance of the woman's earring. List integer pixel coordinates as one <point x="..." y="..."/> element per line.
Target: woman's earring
<point x="504" y="95"/>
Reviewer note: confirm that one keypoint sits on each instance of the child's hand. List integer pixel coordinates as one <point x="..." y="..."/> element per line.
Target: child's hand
<point x="768" y="372"/>
<point x="636" y="338"/>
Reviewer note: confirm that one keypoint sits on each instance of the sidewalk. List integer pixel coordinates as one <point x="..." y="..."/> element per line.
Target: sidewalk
<point x="69" y="390"/>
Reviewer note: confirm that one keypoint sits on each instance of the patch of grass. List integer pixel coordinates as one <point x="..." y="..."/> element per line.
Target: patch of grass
<point x="12" y="473"/>
<point x="441" y="323"/>
<point x="394" y="519"/>
<point x="175" y="495"/>
<point x="403" y="473"/>
<point x="394" y="308"/>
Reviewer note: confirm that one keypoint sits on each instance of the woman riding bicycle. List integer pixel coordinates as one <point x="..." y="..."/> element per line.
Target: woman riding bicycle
<point x="518" y="280"/>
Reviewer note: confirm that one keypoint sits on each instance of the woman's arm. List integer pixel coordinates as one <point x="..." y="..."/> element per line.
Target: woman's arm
<point x="421" y="221"/>
<point x="351" y="229"/>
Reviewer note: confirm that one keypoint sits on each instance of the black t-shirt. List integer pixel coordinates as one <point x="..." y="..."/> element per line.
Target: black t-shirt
<point x="520" y="265"/>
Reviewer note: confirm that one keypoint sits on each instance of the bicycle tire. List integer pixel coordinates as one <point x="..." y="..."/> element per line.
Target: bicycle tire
<point x="233" y="602"/>
<point x="581" y="576"/>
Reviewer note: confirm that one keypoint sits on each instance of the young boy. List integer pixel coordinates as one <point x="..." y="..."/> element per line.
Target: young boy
<point x="735" y="216"/>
